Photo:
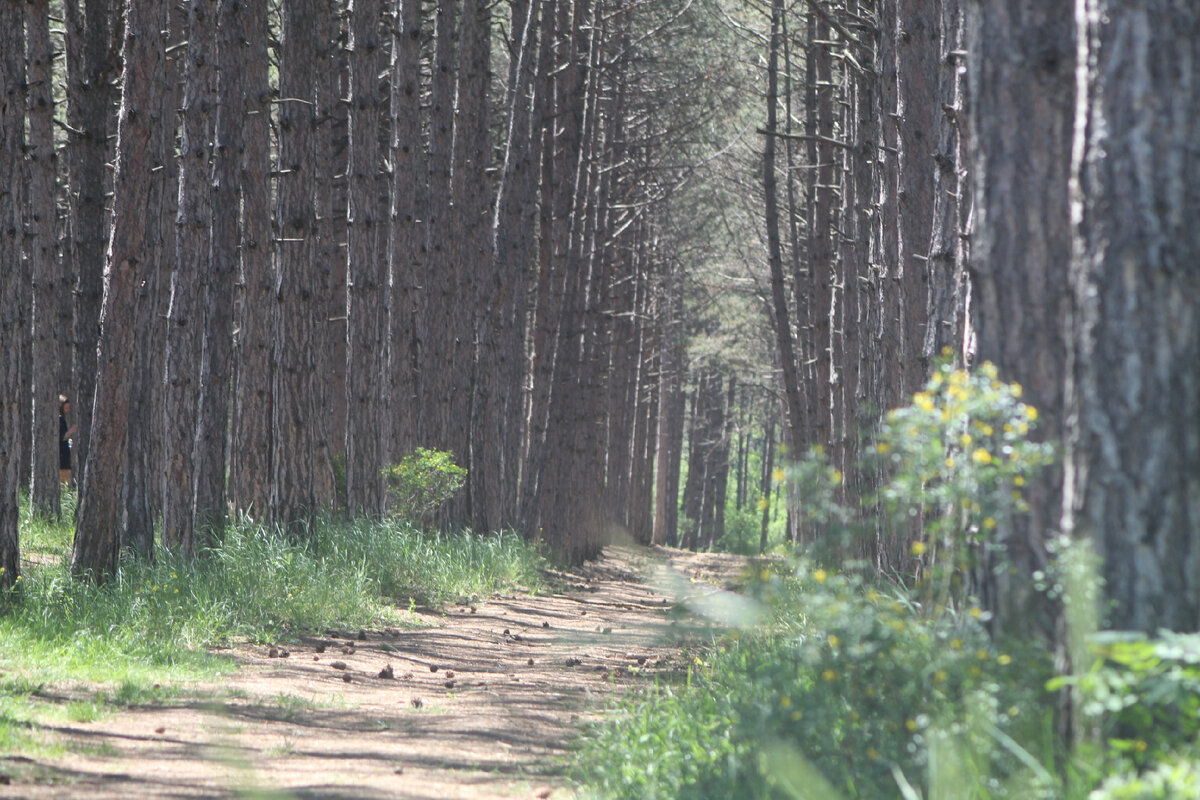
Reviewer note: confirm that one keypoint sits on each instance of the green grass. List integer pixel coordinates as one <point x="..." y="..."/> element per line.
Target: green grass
<point x="73" y="650"/>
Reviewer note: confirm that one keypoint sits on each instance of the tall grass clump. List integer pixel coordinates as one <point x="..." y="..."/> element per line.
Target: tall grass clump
<point x="157" y="622"/>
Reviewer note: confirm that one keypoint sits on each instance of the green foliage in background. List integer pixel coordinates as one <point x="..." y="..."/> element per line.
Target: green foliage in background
<point x="421" y="482"/>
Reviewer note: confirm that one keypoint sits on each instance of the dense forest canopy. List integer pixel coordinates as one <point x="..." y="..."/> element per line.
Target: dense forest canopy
<point x="622" y="259"/>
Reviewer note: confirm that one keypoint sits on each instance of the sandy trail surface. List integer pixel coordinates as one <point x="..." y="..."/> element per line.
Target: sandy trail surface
<point x="482" y="701"/>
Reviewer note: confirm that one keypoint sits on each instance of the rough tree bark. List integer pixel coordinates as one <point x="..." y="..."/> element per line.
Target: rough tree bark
<point x="99" y="518"/>
<point x="1021" y="68"/>
<point x="797" y="420"/>
<point x="250" y="455"/>
<point x="1133" y="459"/>
<point x="406" y="244"/>
<point x="44" y="264"/>
<point x="216" y="358"/>
<point x="90" y="62"/>
<point x="12" y="140"/>
<point x="299" y="314"/>
<point x="512" y="256"/>
<point x="366" y="272"/>
<point x="185" y="318"/>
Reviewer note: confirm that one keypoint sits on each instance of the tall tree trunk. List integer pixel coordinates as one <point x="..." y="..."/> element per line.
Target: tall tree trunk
<point x="142" y="493"/>
<point x="1133" y="459"/>
<point x="820" y="231"/>
<point x="406" y="245"/>
<point x="300" y="313"/>
<point x="947" y="273"/>
<point x="44" y="264"/>
<point x="216" y="361"/>
<point x="12" y="141"/>
<point x="442" y="275"/>
<point x="90" y="62"/>
<point x="250" y="454"/>
<point x="328" y="421"/>
<point x="1022" y="68"/>
<point x="189" y="281"/>
<point x="99" y="520"/>
<point x="514" y="237"/>
<point x="780" y="316"/>
<point x="475" y="312"/>
<point x="916" y="41"/>
<point x="366" y="272"/>
<point x="670" y="411"/>
<point x="768" y="469"/>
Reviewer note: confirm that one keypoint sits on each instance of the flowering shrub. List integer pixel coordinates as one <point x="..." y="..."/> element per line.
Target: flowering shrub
<point x="958" y="459"/>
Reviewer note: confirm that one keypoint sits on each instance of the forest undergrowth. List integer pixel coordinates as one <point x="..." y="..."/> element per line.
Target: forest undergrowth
<point x="903" y="686"/>
<point x="74" y="650"/>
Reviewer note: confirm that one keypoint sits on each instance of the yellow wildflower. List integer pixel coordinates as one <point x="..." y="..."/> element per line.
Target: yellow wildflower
<point x="1016" y="389"/>
<point x="778" y="476"/>
<point x="911" y="724"/>
<point x="1031" y="412"/>
<point x="981" y="456"/>
<point x="1004" y="659"/>
<point x="918" y="548"/>
<point x="828" y="675"/>
<point x="939" y="676"/>
<point x="989" y="523"/>
<point x="1019" y="480"/>
<point x="834" y="641"/>
<point x="976" y="612"/>
<point x="881" y="448"/>
<point x="820" y="575"/>
<point x="956" y="643"/>
<point x="785" y="701"/>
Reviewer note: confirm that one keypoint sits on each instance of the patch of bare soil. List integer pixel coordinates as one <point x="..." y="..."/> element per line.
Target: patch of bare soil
<point x="483" y="702"/>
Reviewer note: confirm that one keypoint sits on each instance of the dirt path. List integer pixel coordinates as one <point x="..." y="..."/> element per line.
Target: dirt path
<point x="482" y="703"/>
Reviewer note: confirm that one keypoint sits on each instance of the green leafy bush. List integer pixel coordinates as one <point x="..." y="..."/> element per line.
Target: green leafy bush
<point x="1139" y="702"/>
<point x="851" y="682"/>
<point x="422" y="481"/>
<point x="1178" y="780"/>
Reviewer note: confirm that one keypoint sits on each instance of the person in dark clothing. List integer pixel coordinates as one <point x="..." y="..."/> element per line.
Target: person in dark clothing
<point x="64" y="440"/>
